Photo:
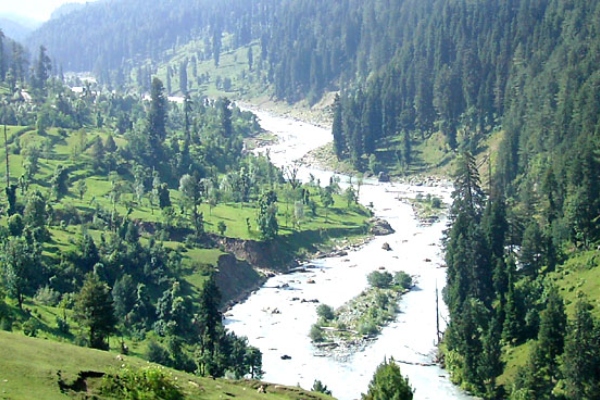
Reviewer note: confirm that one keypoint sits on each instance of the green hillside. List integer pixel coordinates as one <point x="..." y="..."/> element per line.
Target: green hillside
<point x="42" y="369"/>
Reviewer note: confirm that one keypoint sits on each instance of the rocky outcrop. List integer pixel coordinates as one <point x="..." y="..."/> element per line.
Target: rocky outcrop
<point x="236" y="279"/>
<point x="266" y="255"/>
<point x="380" y="227"/>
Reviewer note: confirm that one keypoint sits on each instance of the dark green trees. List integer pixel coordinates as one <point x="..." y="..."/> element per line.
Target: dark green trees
<point x="337" y="128"/>
<point x="157" y="118"/>
<point x="581" y="359"/>
<point x="95" y="312"/>
<point x="476" y="280"/>
<point x="41" y="71"/>
<point x="210" y="326"/>
<point x="267" y="216"/>
<point x="21" y="265"/>
<point x="388" y="384"/>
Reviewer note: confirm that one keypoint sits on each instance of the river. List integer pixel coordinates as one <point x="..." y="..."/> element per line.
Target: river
<point x="415" y="249"/>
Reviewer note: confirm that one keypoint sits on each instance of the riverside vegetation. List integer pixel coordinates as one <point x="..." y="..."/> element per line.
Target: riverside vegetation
<point x="345" y="329"/>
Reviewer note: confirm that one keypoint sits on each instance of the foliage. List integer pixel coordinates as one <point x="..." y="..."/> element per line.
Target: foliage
<point x="381" y="280"/>
<point x="316" y="333"/>
<point x="403" y="280"/>
<point x="94" y="310"/>
<point x="388" y="383"/>
<point x="326" y="312"/>
<point x="147" y="383"/>
<point x="318" y="386"/>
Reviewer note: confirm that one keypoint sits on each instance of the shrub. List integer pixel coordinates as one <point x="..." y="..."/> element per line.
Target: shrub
<point x="5" y="324"/>
<point x="63" y="325"/>
<point x="368" y="328"/>
<point x="403" y="280"/>
<point x="158" y="354"/>
<point x="326" y="312"/>
<point x="47" y="296"/>
<point x="436" y="202"/>
<point x="316" y="334"/>
<point x="381" y="280"/>
<point x="318" y="386"/>
<point x="30" y="327"/>
<point x="147" y="383"/>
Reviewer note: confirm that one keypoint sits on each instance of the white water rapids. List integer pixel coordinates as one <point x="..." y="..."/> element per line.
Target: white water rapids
<point x="415" y="249"/>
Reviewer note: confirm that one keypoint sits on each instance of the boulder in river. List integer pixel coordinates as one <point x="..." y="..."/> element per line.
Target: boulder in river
<point x="380" y="227"/>
<point x="286" y="357"/>
<point x="383" y="177"/>
<point x="386" y="246"/>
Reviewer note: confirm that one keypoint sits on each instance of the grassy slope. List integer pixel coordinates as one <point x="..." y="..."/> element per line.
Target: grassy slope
<point x="57" y="150"/>
<point x="581" y="273"/>
<point x="30" y="372"/>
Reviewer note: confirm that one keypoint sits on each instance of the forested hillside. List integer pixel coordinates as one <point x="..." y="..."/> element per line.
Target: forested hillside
<point x="119" y="209"/>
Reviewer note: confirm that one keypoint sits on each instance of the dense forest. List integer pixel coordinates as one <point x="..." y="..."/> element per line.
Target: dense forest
<point x="508" y="85"/>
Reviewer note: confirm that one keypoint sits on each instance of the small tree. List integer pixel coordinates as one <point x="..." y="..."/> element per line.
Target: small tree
<point x="81" y="188"/>
<point x="318" y="386"/>
<point x="403" y="280"/>
<point x="327" y="200"/>
<point x="388" y="384"/>
<point x="350" y="196"/>
<point x="60" y="182"/>
<point x="94" y="311"/>
<point x="18" y="267"/>
<point x="326" y="312"/>
<point x="380" y="280"/>
<point x="222" y="228"/>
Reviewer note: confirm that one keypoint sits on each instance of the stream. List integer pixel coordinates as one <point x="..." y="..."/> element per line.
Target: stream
<point x="415" y="249"/>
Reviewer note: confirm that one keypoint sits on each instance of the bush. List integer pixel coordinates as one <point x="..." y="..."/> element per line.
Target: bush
<point x="158" y="354"/>
<point x="326" y="312"/>
<point x="30" y="327"/>
<point x="47" y="296"/>
<point x="147" y="383"/>
<point x="63" y="325"/>
<point x="368" y="328"/>
<point x="5" y="324"/>
<point x="381" y="280"/>
<point x="318" y="386"/>
<point x="403" y="280"/>
<point x="316" y="334"/>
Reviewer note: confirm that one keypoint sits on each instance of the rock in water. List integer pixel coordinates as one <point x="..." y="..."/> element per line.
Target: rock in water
<point x="386" y="246"/>
<point x="380" y="227"/>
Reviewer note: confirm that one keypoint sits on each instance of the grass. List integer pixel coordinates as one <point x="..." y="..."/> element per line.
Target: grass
<point x="31" y="372"/>
<point x="581" y="273"/>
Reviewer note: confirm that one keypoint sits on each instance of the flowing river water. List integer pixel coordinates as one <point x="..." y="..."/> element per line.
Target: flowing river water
<point x="414" y="248"/>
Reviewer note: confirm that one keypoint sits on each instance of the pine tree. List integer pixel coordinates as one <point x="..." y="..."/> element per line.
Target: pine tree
<point x="581" y="359"/>
<point x="94" y="310"/>
<point x="490" y="362"/>
<point x="337" y="128"/>
<point x="209" y="322"/>
<point x="553" y="325"/>
<point x="156" y="124"/>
